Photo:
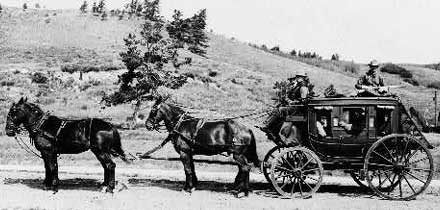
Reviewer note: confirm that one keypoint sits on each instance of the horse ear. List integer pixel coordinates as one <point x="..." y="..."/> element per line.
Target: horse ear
<point x="25" y="99"/>
<point x="21" y="100"/>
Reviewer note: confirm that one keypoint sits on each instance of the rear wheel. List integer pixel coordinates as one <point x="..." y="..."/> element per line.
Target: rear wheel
<point x="296" y="172"/>
<point x="404" y="163"/>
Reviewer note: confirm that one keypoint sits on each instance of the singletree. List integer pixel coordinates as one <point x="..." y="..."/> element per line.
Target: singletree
<point x="83" y="7"/>
<point x="146" y="59"/>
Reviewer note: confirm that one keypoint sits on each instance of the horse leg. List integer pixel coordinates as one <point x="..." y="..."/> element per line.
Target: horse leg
<point x="47" y="177"/>
<point x="194" y="176"/>
<point x="51" y="164"/>
<point x="101" y="160"/>
<point x="188" y="165"/>
<point x="243" y="177"/>
<point x="109" y="169"/>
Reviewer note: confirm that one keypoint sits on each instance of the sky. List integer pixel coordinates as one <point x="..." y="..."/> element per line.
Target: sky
<point x="403" y="31"/>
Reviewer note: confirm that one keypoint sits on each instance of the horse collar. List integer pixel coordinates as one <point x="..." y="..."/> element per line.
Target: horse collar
<point x="35" y="127"/>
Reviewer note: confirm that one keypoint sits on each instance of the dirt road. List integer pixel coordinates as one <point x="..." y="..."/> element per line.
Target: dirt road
<point x="161" y="189"/>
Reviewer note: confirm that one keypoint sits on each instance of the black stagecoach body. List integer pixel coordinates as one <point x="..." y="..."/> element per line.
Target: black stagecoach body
<point x="380" y="147"/>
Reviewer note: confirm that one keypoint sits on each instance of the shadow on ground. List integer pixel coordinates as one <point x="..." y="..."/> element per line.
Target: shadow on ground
<point x="263" y="189"/>
<point x="65" y="184"/>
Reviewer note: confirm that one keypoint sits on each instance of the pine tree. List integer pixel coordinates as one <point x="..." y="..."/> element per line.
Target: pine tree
<point x="293" y="52"/>
<point x="189" y="31"/>
<point x="83" y="7"/>
<point x="146" y="58"/>
<point x="94" y="8"/>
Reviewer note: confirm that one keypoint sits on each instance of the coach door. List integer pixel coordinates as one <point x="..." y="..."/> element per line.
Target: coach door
<point x="350" y="126"/>
<point x="328" y="144"/>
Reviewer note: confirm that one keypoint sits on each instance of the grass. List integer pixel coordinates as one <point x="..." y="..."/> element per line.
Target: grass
<point x="235" y="79"/>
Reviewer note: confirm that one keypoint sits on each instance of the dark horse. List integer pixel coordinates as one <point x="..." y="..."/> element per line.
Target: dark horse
<point x="194" y="136"/>
<point x="52" y="136"/>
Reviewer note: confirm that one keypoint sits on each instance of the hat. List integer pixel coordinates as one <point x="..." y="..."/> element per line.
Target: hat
<point x="301" y="73"/>
<point x="373" y="63"/>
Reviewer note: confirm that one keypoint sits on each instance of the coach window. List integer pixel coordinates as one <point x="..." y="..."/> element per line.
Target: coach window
<point x="353" y="120"/>
<point x="383" y="118"/>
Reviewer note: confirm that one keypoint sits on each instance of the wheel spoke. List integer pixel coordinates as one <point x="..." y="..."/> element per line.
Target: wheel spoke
<point x="313" y="169"/>
<point x="392" y="183"/>
<point x="412" y="154"/>
<point x="391" y="155"/>
<point x="404" y="149"/>
<point x="293" y="186"/>
<point x="410" y="186"/>
<point x="306" y="183"/>
<point x="291" y="166"/>
<point x="300" y="188"/>
<point x="308" y="161"/>
<point x="415" y="177"/>
<point x="284" y="169"/>
<point x="400" y="186"/>
<point x="383" y="157"/>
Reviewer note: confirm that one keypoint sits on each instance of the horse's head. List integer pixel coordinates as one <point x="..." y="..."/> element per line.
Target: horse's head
<point x="17" y="115"/>
<point x="161" y="111"/>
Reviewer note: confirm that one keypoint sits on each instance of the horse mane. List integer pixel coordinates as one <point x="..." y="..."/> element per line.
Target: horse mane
<point x="34" y="107"/>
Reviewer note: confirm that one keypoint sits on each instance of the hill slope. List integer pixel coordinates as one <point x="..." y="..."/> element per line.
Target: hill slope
<point x="43" y="41"/>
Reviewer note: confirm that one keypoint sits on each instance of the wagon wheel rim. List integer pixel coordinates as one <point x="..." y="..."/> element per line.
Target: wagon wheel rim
<point x="296" y="172"/>
<point x="405" y="163"/>
<point x="268" y="159"/>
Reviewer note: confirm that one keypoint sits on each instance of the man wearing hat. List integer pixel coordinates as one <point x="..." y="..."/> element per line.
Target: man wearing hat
<point x="298" y="90"/>
<point x="371" y="84"/>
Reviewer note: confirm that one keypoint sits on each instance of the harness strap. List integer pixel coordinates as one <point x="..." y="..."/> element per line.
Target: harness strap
<point x="63" y="124"/>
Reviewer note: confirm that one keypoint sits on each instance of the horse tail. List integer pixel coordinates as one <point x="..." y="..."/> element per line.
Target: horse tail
<point x="116" y="149"/>
<point x="251" y="153"/>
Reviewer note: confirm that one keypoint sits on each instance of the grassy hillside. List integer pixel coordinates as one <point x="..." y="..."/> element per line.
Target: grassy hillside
<point x="44" y="41"/>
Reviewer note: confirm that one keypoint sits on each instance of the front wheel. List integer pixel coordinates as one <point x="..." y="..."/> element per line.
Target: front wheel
<point x="403" y="162"/>
<point x="296" y="172"/>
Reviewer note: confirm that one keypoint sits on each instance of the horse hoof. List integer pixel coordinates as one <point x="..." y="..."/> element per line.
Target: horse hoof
<point x="103" y="189"/>
<point x="189" y="191"/>
<point x="109" y="190"/>
<point x="242" y="194"/>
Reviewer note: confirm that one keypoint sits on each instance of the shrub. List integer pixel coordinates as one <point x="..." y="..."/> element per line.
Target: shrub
<point x="7" y="83"/>
<point x="435" y="85"/>
<point x="395" y="69"/>
<point x="212" y="73"/>
<point x="435" y="66"/>
<point x="39" y="78"/>
<point x="83" y="107"/>
<point x="411" y="81"/>
<point x="72" y="68"/>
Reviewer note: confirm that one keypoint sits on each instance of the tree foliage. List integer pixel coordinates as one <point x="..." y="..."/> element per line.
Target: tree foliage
<point x="150" y="52"/>
<point x="101" y="6"/>
<point x="83" y="7"/>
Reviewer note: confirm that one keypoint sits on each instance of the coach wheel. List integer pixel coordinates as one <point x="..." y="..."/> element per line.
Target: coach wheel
<point x="268" y="159"/>
<point x="296" y="172"/>
<point x="401" y="160"/>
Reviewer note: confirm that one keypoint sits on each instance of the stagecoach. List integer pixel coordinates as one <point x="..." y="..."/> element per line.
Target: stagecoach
<point x="382" y="149"/>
